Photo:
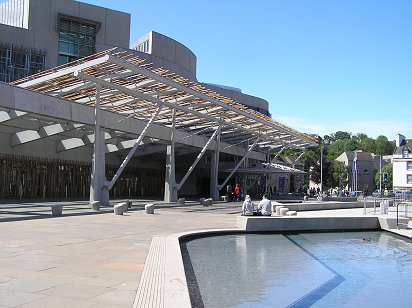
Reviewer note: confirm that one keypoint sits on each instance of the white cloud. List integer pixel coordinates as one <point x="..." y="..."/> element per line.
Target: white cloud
<point x="326" y="127"/>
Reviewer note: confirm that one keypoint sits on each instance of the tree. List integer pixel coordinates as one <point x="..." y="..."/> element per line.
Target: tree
<point x="339" y="135"/>
<point x="367" y="144"/>
<point x="339" y="174"/>
<point x="384" y="147"/>
<point x="389" y="170"/>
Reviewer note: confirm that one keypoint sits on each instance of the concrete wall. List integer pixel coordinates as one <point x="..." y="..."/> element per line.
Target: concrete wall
<point x="42" y="32"/>
<point x="281" y="224"/>
<point x="256" y="103"/>
<point x="168" y="53"/>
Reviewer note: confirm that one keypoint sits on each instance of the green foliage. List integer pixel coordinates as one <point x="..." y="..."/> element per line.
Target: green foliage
<point x="384" y="147"/>
<point x="335" y="173"/>
<point x="389" y="170"/>
<point x="339" y="174"/>
<point x="339" y="135"/>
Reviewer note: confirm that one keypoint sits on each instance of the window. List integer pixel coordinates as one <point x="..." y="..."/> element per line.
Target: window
<point x="17" y="62"/>
<point x="143" y="47"/>
<point x="409" y="178"/>
<point x="77" y="38"/>
<point x="409" y="165"/>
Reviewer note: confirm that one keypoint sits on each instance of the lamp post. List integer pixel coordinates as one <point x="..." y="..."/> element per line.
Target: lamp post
<point x="321" y="164"/>
<point x="321" y="169"/>
<point x="380" y="175"/>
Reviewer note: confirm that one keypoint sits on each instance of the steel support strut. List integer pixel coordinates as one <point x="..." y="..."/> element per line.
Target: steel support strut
<point x="198" y="158"/>
<point x="136" y="145"/>
<point x="239" y="163"/>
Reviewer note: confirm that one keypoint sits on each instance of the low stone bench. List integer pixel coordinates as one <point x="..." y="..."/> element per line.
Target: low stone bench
<point x="149" y="208"/>
<point x="277" y="209"/>
<point x="283" y="211"/>
<point x="95" y="205"/>
<point x="291" y="213"/>
<point x="57" y="210"/>
<point x="182" y="201"/>
<point x="118" y="209"/>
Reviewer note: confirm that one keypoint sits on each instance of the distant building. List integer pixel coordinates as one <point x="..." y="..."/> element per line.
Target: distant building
<point x="402" y="164"/>
<point x="367" y="165"/>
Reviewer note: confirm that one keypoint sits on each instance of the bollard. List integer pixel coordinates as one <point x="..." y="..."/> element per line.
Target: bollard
<point x="277" y="209"/>
<point x="57" y="210"/>
<point x="95" y="205"/>
<point x="182" y="201"/>
<point x="118" y="209"/>
<point x="283" y="211"/>
<point x="149" y="208"/>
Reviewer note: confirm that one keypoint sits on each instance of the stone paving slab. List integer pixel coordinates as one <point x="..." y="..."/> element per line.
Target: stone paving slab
<point x="87" y="259"/>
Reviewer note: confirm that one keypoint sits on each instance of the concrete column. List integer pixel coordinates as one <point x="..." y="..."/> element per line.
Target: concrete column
<point x="214" y="172"/>
<point x="170" y="176"/>
<point x="170" y="180"/>
<point x="98" y="178"/>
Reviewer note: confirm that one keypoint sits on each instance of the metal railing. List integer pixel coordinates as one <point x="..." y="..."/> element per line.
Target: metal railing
<point x="403" y="203"/>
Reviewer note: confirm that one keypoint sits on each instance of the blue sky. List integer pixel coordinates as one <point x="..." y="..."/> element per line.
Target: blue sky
<point x="323" y="65"/>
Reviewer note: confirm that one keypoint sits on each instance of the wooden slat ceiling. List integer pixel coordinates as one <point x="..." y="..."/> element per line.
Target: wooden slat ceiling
<point x="131" y="87"/>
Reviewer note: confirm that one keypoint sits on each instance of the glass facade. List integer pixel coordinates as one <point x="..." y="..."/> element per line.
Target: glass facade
<point x="17" y="62"/>
<point x="77" y="38"/>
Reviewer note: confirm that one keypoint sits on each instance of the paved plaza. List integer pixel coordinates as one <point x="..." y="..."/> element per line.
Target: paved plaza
<point x="89" y="259"/>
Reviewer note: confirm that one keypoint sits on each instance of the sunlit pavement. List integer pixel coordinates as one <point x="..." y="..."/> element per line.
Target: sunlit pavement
<point x="89" y="259"/>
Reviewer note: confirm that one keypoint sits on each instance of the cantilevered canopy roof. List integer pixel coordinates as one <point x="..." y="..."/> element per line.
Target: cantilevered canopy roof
<point x="133" y="88"/>
<point x="270" y="168"/>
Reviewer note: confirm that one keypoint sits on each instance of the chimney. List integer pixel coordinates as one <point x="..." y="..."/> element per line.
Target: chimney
<point x="400" y="140"/>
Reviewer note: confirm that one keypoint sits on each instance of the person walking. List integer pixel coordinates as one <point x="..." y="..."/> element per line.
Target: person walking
<point x="237" y="193"/>
<point x="229" y="192"/>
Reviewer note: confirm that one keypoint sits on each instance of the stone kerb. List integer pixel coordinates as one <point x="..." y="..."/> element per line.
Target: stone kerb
<point x="149" y="208"/>
<point x="95" y="205"/>
<point x="57" y="210"/>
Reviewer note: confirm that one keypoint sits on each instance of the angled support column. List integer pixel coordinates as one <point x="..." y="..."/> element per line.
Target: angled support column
<point x="238" y="164"/>
<point x="296" y="160"/>
<point x="136" y="145"/>
<point x="98" y="178"/>
<point x="198" y="158"/>
<point x="214" y="172"/>
<point x="277" y="155"/>
<point x="170" y="178"/>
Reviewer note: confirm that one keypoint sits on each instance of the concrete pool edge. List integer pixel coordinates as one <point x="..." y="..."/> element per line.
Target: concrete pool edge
<point x="172" y="289"/>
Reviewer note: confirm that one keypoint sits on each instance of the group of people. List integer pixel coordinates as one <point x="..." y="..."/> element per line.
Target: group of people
<point x="264" y="207"/>
<point x="233" y="195"/>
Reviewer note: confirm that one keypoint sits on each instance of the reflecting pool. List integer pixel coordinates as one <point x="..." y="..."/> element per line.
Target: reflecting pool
<point x="352" y="269"/>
